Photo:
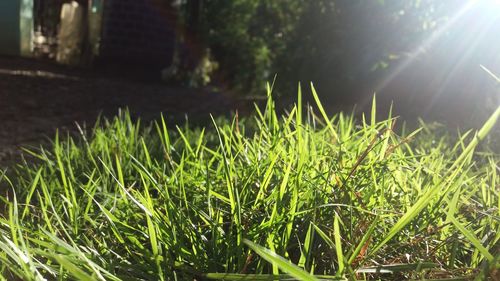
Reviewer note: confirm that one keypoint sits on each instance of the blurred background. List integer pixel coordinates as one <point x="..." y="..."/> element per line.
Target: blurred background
<point x="66" y="61"/>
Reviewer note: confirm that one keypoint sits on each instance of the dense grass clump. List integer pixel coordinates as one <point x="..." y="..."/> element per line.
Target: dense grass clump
<point x="300" y="196"/>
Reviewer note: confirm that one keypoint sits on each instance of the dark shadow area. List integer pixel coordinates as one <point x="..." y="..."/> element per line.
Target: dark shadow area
<point x="37" y="97"/>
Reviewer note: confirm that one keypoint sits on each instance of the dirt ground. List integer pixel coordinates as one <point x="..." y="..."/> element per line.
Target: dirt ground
<point x="36" y="98"/>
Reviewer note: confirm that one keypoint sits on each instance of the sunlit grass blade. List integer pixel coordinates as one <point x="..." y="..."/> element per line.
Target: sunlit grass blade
<point x="326" y="198"/>
<point x="395" y="268"/>
<point x="323" y="113"/>
<point x="282" y="263"/>
<point x="472" y="239"/>
<point x="426" y="198"/>
<point x="263" y="277"/>
<point x="338" y="245"/>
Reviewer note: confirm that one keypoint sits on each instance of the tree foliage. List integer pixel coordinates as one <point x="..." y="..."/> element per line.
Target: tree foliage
<point x="338" y="41"/>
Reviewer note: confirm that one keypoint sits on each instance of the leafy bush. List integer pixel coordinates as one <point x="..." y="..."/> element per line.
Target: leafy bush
<point x="247" y="37"/>
<point x="333" y="42"/>
<point x="267" y="195"/>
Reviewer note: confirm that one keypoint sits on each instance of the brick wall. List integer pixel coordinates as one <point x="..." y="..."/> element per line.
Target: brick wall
<point x="138" y="32"/>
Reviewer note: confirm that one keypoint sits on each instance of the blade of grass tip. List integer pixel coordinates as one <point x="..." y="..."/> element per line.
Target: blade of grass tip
<point x="363" y="242"/>
<point x="146" y="152"/>
<point x="461" y="278"/>
<point x="57" y="151"/>
<point x="270" y="113"/>
<point x="45" y="201"/>
<point x="453" y="205"/>
<point x="282" y="263"/>
<point x="323" y="113"/>
<point x="461" y="141"/>
<point x="185" y="139"/>
<point x="429" y="195"/>
<point x="338" y="245"/>
<point x="324" y="236"/>
<point x="292" y="210"/>
<point x="112" y="219"/>
<point x="16" y="243"/>
<point x="108" y="170"/>
<point x="73" y="250"/>
<point x="199" y="143"/>
<point x="270" y="239"/>
<point x="231" y="192"/>
<point x="9" y="259"/>
<point x="496" y="78"/>
<point x="472" y="239"/>
<point x="25" y="266"/>
<point x="267" y="179"/>
<point x="254" y="277"/>
<point x="30" y="194"/>
<point x="260" y="277"/>
<point x="270" y="87"/>
<point x="163" y="133"/>
<point x="154" y="245"/>
<point x="391" y="107"/>
<point x="374" y="111"/>
<point x="488" y="125"/>
<point x="284" y="183"/>
<point x="299" y="107"/>
<point x="301" y="149"/>
<point x="121" y="179"/>
<point x="305" y="253"/>
<point x="394" y="268"/>
<point x="73" y="269"/>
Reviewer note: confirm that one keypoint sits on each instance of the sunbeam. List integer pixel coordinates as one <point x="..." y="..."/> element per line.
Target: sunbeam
<point x="425" y="45"/>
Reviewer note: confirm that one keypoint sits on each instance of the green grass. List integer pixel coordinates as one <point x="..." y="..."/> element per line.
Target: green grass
<point x="295" y="197"/>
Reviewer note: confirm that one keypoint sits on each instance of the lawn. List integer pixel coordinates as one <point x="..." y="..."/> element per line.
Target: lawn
<point x="298" y="196"/>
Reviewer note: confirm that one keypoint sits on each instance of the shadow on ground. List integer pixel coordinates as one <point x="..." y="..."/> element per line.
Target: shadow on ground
<point x="36" y="98"/>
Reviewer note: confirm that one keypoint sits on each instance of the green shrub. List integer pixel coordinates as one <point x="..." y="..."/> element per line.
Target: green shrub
<point x="335" y="197"/>
<point x="336" y="43"/>
<point x="246" y="37"/>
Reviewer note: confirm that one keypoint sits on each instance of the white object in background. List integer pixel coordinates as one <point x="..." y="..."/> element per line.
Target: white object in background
<point x="70" y="34"/>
